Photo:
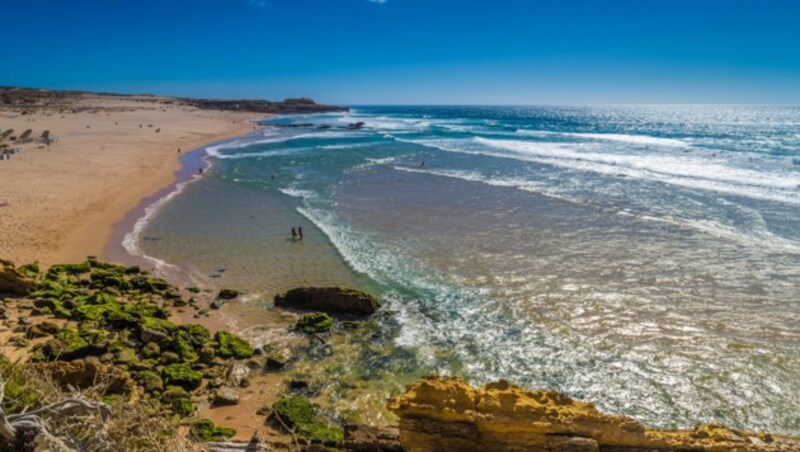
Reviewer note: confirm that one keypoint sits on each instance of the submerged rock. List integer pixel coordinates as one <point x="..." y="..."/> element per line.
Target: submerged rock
<point x="332" y="300"/>
<point x="226" y="396"/>
<point x="318" y="322"/>
<point x="441" y="413"/>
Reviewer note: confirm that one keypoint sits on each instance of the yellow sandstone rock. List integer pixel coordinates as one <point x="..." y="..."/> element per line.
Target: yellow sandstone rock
<point x="446" y="414"/>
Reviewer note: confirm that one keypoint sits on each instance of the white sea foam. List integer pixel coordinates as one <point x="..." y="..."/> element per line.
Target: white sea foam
<point x="214" y="151"/>
<point x="638" y="140"/>
<point x="132" y="240"/>
<point x="298" y="193"/>
<point x="681" y="170"/>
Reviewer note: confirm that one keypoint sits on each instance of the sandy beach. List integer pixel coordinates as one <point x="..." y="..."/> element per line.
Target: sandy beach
<point x="59" y="202"/>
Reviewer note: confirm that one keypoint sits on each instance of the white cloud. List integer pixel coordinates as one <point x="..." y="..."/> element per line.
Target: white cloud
<point x="378" y="1"/>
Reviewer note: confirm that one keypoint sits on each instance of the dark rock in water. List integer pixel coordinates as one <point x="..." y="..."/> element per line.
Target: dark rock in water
<point x="226" y="396"/>
<point x="356" y="125"/>
<point x="227" y="294"/>
<point x="318" y="322"/>
<point x="275" y="362"/>
<point x="12" y="281"/>
<point x="329" y="299"/>
<point x="365" y="438"/>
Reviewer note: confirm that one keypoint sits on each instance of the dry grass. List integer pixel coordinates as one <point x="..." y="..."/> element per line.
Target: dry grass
<point x="131" y="426"/>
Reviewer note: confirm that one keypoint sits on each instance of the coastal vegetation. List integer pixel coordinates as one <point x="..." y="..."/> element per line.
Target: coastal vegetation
<point x="99" y="365"/>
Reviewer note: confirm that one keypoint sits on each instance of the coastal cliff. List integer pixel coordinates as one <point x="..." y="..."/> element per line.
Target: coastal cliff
<point x="105" y="331"/>
<point x="441" y="413"/>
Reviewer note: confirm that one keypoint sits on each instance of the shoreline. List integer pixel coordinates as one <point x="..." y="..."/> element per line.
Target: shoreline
<point x="64" y="201"/>
<point x="125" y="228"/>
<point x="181" y="174"/>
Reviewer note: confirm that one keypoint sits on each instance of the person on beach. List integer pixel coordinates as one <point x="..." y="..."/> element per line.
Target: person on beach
<point x="300" y="232"/>
<point x="294" y="233"/>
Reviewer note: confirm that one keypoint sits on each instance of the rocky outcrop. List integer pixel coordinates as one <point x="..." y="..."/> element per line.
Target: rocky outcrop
<point x="12" y="281"/>
<point x="442" y="414"/>
<point x="365" y="438"/>
<point x="332" y="300"/>
<point x="88" y="373"/>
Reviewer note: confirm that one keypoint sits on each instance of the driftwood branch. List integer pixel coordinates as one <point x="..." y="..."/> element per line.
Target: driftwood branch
<point x="13" y="424"/>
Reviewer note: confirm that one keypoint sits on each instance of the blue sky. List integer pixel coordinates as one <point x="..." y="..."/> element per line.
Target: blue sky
<point x="411" y="51"/>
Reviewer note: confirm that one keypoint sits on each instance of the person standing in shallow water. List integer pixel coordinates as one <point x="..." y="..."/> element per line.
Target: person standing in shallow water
<point x="300" y="232"/>
<point x="294" y="233"/>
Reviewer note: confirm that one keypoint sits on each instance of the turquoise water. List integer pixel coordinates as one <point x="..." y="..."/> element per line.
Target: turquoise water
<point x="644" y="258"/>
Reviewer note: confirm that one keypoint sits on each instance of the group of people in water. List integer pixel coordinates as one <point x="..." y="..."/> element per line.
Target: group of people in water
<point x="297" y="233"/>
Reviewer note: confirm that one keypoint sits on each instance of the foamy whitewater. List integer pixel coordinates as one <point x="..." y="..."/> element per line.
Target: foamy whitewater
<point x="644" y="258"/>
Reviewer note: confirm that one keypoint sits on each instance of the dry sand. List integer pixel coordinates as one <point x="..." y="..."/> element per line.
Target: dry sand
<point x="58" y="203"/>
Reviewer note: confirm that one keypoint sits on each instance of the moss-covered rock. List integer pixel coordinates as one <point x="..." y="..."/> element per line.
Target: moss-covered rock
<point x="182" y="375"/>
<point x="67" y="345"/>
<point x="151" y="350"/>
<point x="150" y="381"/>
<point x="298" y="412"/>
<point x="148" y="285"/>
<point x="317" y="322"/>
<point x="206" y="431"/>
<point x="232" y="346"/>
<point x="183" y="406"/>
<point x="30" y="270"/>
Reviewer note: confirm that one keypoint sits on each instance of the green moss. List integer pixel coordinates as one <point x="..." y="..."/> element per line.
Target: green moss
<point x="182" y="375"/>
<point x="183" y="406"/>
<point x="141" y="309"/>
<point x="206" y="431"/>
<point x="232" y="346"/>
<point x="112" y="277"/>
<point x="148" y="285"/>
<point x="326" y="435"/>
<point x="317" y="322"/>
<point x="67" y="345"/>
<point x="296" y="411"/>
<point x="30" y="270"/>
<point x="152" y="323"/>
<point x="133" y="270"/>
<point x="150" y="381"/>
<point x="198" y="335"/>
<point x="151" y="350"/>
<point x="73" y="269"/>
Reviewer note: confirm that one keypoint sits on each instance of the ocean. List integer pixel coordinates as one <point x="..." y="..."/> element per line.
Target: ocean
<point x="645" y="258"/>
